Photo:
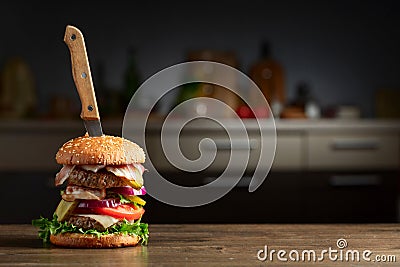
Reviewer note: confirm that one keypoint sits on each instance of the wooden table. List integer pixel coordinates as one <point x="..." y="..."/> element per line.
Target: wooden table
<point x="225" y="245"/>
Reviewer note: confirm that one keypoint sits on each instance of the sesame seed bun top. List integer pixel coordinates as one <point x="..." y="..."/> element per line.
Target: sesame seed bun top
<point x="100" y="150"/>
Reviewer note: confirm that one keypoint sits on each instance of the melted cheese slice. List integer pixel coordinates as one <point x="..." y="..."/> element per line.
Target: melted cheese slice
<point x="129" y="172"/>
<point x="92" y="168"/>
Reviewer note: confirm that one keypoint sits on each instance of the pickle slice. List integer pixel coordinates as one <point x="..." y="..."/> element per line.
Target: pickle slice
<point x="136" y="199"/>
<point x="64" y="209"/>
<point x="134" y="184"/>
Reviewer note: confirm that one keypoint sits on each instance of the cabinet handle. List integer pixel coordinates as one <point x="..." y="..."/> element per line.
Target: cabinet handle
<point x="351" y="144"/>
<point x="355" y="180"/>
<point x="234" y="144"/>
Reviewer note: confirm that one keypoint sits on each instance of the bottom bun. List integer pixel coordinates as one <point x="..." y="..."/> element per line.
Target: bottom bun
<point x="76" y="240"/>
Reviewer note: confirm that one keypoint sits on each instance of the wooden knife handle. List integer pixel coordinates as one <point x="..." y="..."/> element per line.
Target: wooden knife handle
<point x="81" y="73"/>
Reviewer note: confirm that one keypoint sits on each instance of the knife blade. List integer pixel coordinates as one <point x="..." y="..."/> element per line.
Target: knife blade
<point x="73" y="37"/>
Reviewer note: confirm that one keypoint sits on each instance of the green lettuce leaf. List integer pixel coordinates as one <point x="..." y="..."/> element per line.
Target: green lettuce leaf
<point x="124" y="200"/>
<point x="52" y="227"/>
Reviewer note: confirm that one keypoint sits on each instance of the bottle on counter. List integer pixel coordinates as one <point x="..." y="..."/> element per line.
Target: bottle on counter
<point x="268" y="74"/>
<point x="18" y="91"/>
<point x="131" y="77"/>
<point x="312" y="109"/>
<point x="307" y="101"/>
<point x="109" y="99"/>
<point x="304" y="106"/>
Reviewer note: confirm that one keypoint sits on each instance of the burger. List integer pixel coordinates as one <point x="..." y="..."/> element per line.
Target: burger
<point x="101" y="188"/>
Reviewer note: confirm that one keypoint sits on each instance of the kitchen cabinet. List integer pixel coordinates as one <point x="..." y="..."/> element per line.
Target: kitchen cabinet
<point x="350" y="150"/>
<point x="290" y="153"/>
<point x="323" y="170"/>
<point x="301" y="144"/>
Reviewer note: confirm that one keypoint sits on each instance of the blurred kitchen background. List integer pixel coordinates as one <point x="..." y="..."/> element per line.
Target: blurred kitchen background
<point x="330" y="70"/>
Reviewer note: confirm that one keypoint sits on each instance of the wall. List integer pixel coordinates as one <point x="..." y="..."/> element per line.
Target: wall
<point x="344" y="49"/>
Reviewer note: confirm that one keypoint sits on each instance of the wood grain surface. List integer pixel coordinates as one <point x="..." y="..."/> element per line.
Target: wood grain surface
<point x="211" y="245"/>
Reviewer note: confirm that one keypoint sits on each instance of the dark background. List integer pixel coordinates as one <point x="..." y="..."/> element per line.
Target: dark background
<point x="344" y="50"/>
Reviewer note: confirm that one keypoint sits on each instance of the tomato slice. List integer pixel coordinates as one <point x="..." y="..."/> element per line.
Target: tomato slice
<point x="123" y="211"/>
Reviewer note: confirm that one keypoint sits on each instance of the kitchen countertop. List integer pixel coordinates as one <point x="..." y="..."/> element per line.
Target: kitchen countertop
<point x="217" y="244"/>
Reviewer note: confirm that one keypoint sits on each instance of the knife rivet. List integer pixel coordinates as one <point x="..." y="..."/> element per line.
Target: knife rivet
<point x="73" y="37"/>
<point x="90" y="108"/>
<point x="84" y="75"/>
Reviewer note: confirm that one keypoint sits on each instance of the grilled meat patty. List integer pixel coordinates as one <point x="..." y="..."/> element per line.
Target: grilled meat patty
<point x="85" y="223"/>
<point x="100" y="179"/>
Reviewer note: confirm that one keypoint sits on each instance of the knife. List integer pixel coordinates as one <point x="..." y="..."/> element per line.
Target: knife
<point x="83" y="80"/>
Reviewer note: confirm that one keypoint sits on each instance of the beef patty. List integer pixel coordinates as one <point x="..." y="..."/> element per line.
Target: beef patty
<point x="85" y="223"/>
<point x="100" y="179"/>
